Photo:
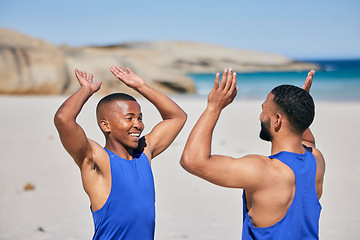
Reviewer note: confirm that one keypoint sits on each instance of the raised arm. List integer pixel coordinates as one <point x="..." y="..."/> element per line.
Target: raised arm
<point x="197" y="158"/>
<point x="174" y="118"/>
<point x="71" y="134"/>
<point x="198" y="147"/>
<point x="308" y="138"/>
<point x="309" y="141"/>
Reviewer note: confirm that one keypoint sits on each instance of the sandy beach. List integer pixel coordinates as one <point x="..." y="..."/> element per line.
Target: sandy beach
<point x="54" y="205"/>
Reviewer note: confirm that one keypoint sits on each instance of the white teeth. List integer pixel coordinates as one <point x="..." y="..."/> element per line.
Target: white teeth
<point x="135" y="134"/>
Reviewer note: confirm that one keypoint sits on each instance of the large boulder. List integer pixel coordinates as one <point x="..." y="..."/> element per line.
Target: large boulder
<point x="98" y="60"/>
<point x="30" y="66"/>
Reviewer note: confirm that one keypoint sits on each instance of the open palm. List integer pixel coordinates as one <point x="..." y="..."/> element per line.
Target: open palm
<point x="129" y="77"/>
<point x="85" y="81"/>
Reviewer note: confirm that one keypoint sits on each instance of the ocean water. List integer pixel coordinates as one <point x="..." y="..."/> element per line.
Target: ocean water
<point x="338" y="80"/>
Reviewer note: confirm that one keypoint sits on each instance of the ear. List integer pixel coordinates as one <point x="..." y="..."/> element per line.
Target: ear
<point x="105" y="126"/>
<point x="278" y="121"/>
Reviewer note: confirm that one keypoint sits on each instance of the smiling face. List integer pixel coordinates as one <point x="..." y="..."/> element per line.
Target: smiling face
<point x="122" y="123"/>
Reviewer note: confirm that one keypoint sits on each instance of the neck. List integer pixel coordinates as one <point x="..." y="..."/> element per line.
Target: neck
<point x="120" y="150"/>
<point x="289" y="143"/>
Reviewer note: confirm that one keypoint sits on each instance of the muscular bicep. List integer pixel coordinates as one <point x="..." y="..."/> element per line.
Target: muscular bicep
<point x="74" y="140"/>
<point x="245" y="172"/>
<point x="162" y="135"/>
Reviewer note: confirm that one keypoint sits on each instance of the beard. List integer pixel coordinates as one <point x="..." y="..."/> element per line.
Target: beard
<point x="265" y="131"/>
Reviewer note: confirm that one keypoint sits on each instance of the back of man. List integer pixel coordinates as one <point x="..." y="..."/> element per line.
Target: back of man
<point x="288" y="207"/>
<point x="282" y="191"/>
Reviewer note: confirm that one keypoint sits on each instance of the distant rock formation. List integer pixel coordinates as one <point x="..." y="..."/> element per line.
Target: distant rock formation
<point x="32" y="66"/>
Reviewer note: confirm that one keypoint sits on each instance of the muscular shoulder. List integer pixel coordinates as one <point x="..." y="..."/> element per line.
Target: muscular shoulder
<point x="260" y="162"/>
<point x="260" y="170"/>
<point x="269" y="171"/>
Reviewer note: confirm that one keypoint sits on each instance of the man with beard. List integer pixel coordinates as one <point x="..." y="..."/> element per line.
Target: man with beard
<point x="281" y="191"/>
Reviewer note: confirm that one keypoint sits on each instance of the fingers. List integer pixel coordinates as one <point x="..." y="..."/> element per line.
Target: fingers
<point x="78" y="73"/>
<point x="228" y="80"/>
<point x="310" y="76"/>
<point x="129" y="70"/>
<point x="119" y="72"/>
<point x="231" y="79"/>
<point x="233" y="82"/>
<point x="82" y="74"/>
<point x="224" y="78"/>
<point x="115" y="70"/>
<point x="227" y="84"/>
<point x="216" y="82"/>
<point x="308" y="81"/>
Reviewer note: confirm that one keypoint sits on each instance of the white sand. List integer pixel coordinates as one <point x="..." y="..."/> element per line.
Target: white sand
<point x="187" y="207"/>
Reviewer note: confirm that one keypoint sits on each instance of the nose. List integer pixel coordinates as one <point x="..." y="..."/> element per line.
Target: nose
<point x="138" y="124"/>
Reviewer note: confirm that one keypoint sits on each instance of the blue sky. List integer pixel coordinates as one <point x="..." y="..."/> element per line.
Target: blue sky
<point x="317" y="29"/>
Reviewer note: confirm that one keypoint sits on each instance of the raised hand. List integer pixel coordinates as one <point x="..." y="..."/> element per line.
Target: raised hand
<point x="129" y="77"/>
<point x="85" y="81"/>
<point x="308" y="81"/>
<point x="223" y="94"/>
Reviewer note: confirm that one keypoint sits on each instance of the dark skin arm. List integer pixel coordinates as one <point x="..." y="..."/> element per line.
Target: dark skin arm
<point x="308" y="140"/>
<point x="197" y="158"/>
<point x="246" y="172"/>
<point x="71" y="134"/>
<point x="174" y="118"/>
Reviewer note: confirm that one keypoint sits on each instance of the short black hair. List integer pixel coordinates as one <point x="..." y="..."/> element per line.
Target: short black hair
<point x="109" y="99"/>
<point x="116" y="97"/>
<point x="296" y="104"/>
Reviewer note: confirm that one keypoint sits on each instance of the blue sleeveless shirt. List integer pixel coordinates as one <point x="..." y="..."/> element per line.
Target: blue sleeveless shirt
<point x="301" y="222"/>
<point x="129" y="212"/>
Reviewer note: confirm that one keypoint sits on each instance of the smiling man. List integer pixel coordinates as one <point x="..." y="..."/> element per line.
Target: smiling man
<point x="118" y="178"/>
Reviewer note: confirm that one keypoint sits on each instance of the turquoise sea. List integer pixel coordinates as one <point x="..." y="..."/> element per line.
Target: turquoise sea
<point x="338" y="80"/>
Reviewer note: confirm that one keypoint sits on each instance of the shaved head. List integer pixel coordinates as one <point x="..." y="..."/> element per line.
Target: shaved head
<point x="105" y="105"/>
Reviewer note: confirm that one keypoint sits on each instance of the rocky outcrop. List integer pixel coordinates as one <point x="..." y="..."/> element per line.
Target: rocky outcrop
<point x="32" y="66"/>
<point x="98" y="60"/>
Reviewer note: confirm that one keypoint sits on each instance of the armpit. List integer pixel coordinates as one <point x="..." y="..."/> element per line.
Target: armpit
<point x="93" y="165"/>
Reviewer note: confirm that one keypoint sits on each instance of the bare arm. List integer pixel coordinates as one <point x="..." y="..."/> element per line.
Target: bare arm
<point x="308" y="140"/>
<point x="197" y="158"/>
<point x="174" y="118"/>
<point x="198" y="146"/>
<point x="71" y="134"/>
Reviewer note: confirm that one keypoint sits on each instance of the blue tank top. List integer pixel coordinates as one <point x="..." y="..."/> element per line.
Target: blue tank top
<point x="301" y="222"/>
<point x="129" y="211"/>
